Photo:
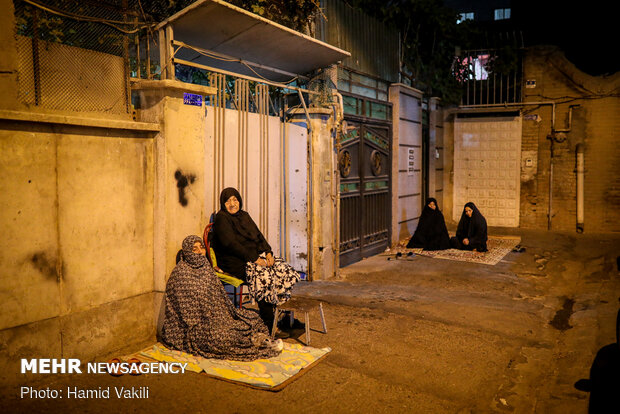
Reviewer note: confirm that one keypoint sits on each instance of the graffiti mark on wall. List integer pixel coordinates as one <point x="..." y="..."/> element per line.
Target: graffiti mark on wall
<point x="44" y="264"/>
<point x="183" y="181"/>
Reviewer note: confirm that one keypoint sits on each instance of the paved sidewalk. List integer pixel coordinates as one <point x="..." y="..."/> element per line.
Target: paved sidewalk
<point x="422" y="336"/>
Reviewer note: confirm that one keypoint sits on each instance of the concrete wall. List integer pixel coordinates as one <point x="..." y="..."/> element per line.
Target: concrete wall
<point x="323" y="249"/>
<point x="595" y="123"/>
<point x="436" y="152"/>
<point x="406" y="160"/>
<point x="76" y="196"/>
<point x="76" y="253"/>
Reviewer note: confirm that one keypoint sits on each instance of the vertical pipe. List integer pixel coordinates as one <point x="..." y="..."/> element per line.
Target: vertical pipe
<point x="137" y="42"/>
<point x="148" y="55"/>
<point x="36" y="58"/>
<point x="283" y="187"/>
<point x="169" y="37"/>
<point x="494" y="92"/>
<point x="239" y="107"/>
<point x="550" y="207"/>
<point x="126" y="64"/>
<point x="580" y="187"/>
<point x="161" y="35"/>
<point x="501" y="88"/>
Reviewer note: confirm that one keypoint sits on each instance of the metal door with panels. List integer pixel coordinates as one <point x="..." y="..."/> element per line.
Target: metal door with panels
<point x="487" y="153"/>
<point x="365" y="212"/>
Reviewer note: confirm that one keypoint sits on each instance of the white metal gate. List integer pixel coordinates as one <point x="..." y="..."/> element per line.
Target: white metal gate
<point x="486" y="168"/>
<point x="266" y="160"/>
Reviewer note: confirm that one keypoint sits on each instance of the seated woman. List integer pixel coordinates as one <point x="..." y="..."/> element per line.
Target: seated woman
<point x="241" y="250"/>
<point x="201" y="320"/>
<point x="471" y="233"/>
<point x="431" y="233"/>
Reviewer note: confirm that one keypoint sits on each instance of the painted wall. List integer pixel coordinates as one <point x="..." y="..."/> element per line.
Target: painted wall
<point x="285" y="167"/>
<point x="487" y="152"/>
<point x="76" y="251"/>
<point x="76" y="203"/>
<point x="406" y="160"/>
<point x="436" y="152"/>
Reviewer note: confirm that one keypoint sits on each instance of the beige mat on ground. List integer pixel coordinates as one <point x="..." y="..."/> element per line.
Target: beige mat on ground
<point x="499" y="247"/>
<point x="271" y="374"/>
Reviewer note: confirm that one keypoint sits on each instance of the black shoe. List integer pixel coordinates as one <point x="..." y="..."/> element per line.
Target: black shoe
<point x="284" y="324"/>
<point x="297" y="324"/>
<point x="280" y="334"/>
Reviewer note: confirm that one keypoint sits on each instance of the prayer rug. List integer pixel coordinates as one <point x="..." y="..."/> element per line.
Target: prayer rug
<point x="271" y="374"/>
<point x="499" y="247"/>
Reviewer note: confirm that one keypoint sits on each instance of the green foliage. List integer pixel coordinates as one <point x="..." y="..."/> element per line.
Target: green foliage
<point x="296" y="14"/>
<point x="505" y="60"/>
<point x="429" y="36"/>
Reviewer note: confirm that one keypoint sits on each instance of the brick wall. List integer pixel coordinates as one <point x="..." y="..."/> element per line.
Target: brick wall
<point x="595" y="123"/>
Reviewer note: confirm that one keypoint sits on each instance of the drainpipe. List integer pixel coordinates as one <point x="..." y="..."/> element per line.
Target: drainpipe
<point x="580" y="186"/>
<point x="556" y="135"/>
<point x="553" y="138"/>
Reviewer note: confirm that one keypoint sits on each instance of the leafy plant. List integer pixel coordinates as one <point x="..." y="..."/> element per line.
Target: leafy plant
<point x="429" y="37"/>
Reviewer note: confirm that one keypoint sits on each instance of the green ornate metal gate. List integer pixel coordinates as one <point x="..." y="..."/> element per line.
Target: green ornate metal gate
<point x="364" y="162"/>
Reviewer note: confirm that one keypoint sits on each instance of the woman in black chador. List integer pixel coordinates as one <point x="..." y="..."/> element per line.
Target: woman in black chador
<point x="241" y="250"/>
<point x="431" y="233"/>
<point x="471" y="233"/>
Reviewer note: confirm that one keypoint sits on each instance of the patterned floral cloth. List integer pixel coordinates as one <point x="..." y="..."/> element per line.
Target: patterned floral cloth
<point x="271" y="284"/>
<point x="201" y="320"/>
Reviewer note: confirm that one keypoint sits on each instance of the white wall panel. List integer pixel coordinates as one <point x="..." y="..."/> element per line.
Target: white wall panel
<point x="409" y="184"/>
<point x="294" y="232"/>
<point x="297" y="196"/>
<point x="410" y="107"/>
<point x="410" y="133"/>
<point x="487" y="155"/>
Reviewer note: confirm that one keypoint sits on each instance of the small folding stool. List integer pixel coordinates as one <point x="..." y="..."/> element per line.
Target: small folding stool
<point x="300" y="304"/>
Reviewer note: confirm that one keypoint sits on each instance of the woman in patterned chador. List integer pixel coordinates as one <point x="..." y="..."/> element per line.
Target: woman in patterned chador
<point x="471" y="233"/>
<point x="201" y="320"/>
<point x="241" y="250"/>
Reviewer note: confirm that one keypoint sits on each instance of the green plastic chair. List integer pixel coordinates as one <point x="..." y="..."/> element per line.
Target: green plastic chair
<point x="226" y="278"/>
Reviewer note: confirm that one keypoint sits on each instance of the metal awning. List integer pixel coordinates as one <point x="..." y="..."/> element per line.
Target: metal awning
<point x="216" y="34"/>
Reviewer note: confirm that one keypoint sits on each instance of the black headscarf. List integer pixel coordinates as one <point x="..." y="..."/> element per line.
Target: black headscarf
<point x="241" y="220"/>
<point x="473" y="228"/>
<point x="237" y="239"/>
<point x="431" y="233"/>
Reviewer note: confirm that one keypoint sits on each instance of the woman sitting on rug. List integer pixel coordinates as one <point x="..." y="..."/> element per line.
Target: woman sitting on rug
<point x="241" y="250"/>
<point x="201" y="320"/>
<point x="471" y="233"/>
<point x="431" y="233"/>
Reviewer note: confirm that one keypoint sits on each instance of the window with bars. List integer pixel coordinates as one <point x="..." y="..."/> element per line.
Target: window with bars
<point x="502" y="14"/>
<point x="465" y="16"/>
